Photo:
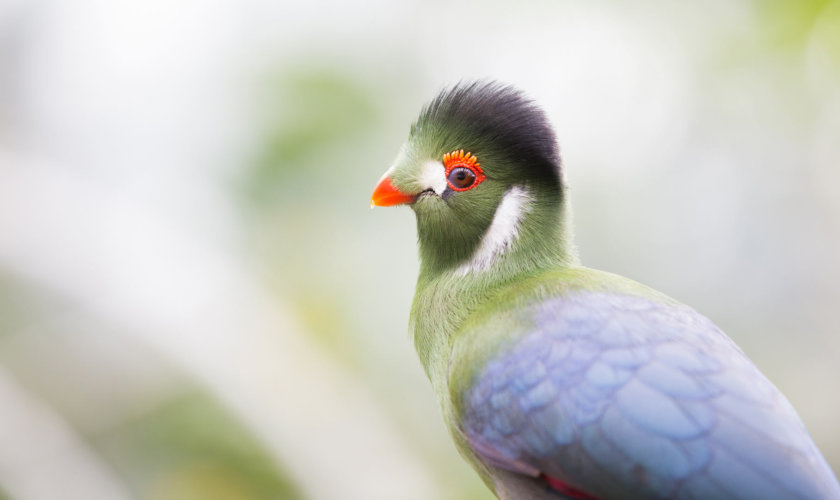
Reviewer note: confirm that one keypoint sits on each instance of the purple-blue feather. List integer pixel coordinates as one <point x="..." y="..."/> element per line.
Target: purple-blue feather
<point x="626" y="397"/>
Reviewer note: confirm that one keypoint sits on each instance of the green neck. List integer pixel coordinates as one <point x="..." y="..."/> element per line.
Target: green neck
<point x="446" y="294"/>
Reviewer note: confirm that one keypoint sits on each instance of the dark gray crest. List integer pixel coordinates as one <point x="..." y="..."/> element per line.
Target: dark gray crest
<point x="499" y="118"/>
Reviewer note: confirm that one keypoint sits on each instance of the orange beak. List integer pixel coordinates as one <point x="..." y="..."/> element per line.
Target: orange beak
<point x="386" y="195"/>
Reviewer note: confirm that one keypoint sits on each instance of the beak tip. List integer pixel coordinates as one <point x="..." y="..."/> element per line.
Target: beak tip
<point x="386" y="195"/>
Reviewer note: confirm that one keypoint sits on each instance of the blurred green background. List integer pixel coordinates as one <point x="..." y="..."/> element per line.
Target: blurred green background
<point x="197" y="303"/>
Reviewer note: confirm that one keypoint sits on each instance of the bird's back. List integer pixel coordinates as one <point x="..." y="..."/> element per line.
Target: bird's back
<point x="591" y="380"/>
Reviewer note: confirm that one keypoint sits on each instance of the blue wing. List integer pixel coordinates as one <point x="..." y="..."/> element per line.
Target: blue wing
<point x="625" y="397"/>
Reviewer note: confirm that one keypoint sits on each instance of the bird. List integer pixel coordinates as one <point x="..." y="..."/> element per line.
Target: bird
<point x="560" y="381"/>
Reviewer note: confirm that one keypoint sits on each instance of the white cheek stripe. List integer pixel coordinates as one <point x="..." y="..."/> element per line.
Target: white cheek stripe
<point x="432" y="177"/>
<point x="503" y="231"/>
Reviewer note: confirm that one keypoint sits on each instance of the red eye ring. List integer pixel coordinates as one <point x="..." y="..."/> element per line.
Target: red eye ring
<point x="458" y="159"/>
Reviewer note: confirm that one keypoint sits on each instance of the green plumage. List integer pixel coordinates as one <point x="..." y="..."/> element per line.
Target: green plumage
<point x="555" y="379"/>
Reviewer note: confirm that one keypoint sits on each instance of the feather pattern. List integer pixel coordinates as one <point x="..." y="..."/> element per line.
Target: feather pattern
<point x="623" y="396"/>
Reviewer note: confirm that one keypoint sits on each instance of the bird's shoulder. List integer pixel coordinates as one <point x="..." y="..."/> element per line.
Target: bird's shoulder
<point x="568" y="301"/>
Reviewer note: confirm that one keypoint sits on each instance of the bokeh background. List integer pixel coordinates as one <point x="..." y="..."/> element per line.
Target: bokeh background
<point x="197" y="303"/>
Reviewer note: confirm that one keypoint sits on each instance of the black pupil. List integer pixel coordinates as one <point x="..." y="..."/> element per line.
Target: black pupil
<point x="461" y="177"/>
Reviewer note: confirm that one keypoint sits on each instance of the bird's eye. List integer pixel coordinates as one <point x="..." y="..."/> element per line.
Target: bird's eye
<point x="461" y="178"/>
<point x="462" y="170"/>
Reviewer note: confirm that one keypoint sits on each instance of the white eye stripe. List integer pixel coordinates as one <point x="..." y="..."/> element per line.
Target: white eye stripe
<point x="503" y="231"/>
<point x="433" y="176"/>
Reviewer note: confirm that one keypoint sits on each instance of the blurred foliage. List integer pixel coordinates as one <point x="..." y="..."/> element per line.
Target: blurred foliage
<point x="782" y="35"/>
<point x="789" y="25"/>
<point x="166" y="443"/>
<point x="12" y="303"/>
<point x="190" y="448"/>
<point x="317" y="125"/>
<point x="325" y="317"/>
<point x="309" y="112"/>
<point x="309" y="115"/>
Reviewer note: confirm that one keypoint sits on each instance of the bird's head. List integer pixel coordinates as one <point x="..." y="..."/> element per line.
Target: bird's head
<point x="481" y="170"/>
